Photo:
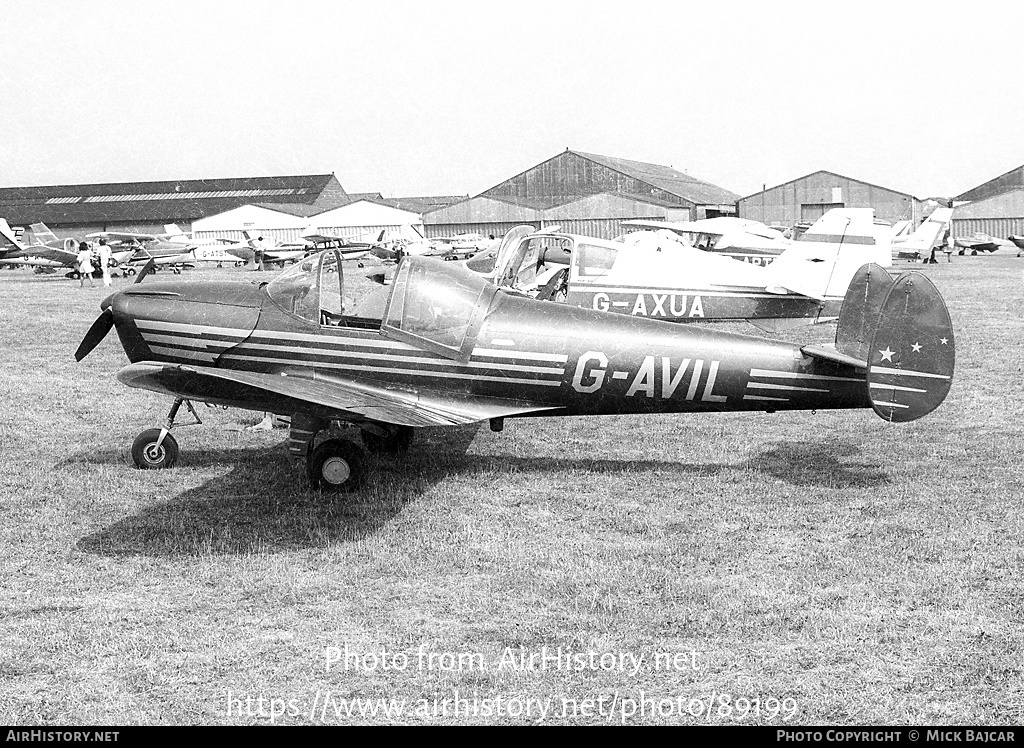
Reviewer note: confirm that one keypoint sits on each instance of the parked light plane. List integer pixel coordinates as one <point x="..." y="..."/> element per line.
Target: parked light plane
<point x="739" y="238"/>
<point x="981" y="242"/>
<point x="47" y="252"/>
<point x="658" y="274"/>
<point x="444" y="346"/>
<point x="392" y="245"/>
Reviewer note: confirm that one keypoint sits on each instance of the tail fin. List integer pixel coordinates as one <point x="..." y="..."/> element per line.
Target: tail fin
<point x="900" y="332"/>
<point x="826" y="257"/>
<point x="171" y="231"/>
<point x="862" y="306"/>
<point x="912" y="354"/>
<point x="9" y="238"/>
<point x="42" y="235"/>
<point x="927" y="235"/>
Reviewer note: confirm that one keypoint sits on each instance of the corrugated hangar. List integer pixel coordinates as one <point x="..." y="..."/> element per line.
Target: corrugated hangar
<point x="996" y="207"/>
<point x="806" y="199"/>
<point x="76" y="210"/>
<point x="584" y="193"/>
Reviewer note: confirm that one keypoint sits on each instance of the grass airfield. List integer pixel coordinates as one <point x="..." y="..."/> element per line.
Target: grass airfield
<point x="803" y="568"/>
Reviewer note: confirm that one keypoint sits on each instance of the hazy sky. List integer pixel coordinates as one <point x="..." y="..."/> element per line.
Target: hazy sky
<point x="445" y="97"/>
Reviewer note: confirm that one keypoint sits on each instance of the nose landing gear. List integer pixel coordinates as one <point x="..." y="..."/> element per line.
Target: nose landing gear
<point x="156" y="449"/>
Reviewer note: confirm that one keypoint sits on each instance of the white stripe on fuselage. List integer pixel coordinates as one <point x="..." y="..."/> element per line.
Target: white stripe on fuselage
<point x="220" y="346"/>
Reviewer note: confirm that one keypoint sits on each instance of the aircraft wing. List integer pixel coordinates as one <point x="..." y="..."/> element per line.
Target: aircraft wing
<point x="334" y="397"/>
<point x="121" y="236"/>
<point x="54" y="254"/>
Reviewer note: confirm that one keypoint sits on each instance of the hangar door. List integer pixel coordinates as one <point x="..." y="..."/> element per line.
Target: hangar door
<point x="811" y="212"/>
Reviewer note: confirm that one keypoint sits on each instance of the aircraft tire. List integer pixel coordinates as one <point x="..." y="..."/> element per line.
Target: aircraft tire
<point x="337" y="466"/>
<point x="145" y="454"/>
<point x="398" y="441"/>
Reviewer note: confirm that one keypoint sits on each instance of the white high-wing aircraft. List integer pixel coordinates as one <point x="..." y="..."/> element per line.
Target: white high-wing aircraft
<point x="47" y="251"/>
<point x="659" y="274"/>
<point x="739" y="238"/>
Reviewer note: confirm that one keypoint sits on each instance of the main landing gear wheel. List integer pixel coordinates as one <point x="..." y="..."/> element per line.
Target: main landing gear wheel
<point x="396" y="441"/>
<point x="150" y="452"/>
<point x="337" y="465"/>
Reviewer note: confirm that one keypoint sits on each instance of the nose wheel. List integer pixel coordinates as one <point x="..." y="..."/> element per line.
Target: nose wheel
<point x="156" y="449"/>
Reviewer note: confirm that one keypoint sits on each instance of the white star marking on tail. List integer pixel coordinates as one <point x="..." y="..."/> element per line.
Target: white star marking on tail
<point x="943" y="340"/>
<point x="916" y="347"/>
<point x="887" y="354"/>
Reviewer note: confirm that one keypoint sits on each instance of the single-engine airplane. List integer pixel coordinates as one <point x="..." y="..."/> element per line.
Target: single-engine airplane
<point x="658" y="274"/>
<point x="48" y="253"/>
<point x="739" y="238"/>
<point x="444" y="346"/>
<point x="981" y="242"/>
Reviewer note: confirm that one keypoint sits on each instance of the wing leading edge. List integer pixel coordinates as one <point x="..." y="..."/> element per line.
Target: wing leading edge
<point x="296" y="392"/>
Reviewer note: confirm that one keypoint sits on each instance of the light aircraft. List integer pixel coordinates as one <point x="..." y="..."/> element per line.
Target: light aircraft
<point x="444" y="346"/>
<point x="1018" y="242"/>
<point x="392" y="245"/>
<point x="47" y="253"/>
<point x="739" y="238"/>
<point x="660" y="275"/>
<point x="464" y="246"/>
<point x="928" y="235"/>
<point x="980" y="242"/>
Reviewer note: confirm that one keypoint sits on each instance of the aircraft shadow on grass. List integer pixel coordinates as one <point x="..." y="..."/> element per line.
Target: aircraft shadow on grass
<point x="264" y="504"/>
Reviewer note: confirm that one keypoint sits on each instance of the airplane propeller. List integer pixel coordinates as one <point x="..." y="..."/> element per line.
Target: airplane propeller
<point x="96" y="333"/>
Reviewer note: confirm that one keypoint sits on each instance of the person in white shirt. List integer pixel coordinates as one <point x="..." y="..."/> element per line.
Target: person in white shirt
<point x="84" y="264"/>
<point x="104" y="253"/>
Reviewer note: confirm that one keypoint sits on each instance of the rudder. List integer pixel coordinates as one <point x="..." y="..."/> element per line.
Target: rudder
<point x="912" y="352"/>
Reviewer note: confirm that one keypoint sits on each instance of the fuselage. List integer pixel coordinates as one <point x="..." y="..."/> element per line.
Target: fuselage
<point x="566" y="360"/>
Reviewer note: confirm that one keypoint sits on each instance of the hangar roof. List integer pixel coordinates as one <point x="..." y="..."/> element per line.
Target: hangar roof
<point x="165" y="201"/>
<point x="424" y="204"/>
<point x="830" y="173"/>
<point x="666" y="178"/>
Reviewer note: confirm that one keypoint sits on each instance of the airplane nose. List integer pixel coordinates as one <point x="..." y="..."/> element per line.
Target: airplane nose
<point x="107" y="302"/>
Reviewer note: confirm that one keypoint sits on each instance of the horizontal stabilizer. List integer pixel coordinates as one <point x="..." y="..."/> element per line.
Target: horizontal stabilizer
<point x="828" y="353"/>
<point x="911" y="356"/>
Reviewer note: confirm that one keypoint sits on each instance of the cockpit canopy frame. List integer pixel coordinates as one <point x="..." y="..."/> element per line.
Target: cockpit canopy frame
<point x="438" y="307"/>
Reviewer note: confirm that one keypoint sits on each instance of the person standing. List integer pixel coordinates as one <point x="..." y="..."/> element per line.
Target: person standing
<point x="104" y="253"/>
<point x="259" y="251"/>
<point x="84" y="264"/>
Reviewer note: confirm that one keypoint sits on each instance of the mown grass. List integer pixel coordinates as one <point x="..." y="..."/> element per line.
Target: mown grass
<point x="870" y="572"/>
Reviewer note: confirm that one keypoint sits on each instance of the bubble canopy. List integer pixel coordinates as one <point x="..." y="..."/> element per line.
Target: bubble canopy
<point x="437" y="305"/>
<point x="312" y="288"/>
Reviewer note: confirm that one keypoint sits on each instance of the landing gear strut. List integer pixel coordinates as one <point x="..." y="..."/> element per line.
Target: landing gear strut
<point x="385" y="438"/>
<point x="155" y="449"/>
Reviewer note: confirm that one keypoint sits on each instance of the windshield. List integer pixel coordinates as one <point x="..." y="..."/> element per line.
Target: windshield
<point x="437" y="303"/>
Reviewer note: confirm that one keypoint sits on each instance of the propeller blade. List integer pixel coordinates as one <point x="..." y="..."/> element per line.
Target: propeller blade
<point x="150" y="267"/>
<point x="96" y="333"/>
